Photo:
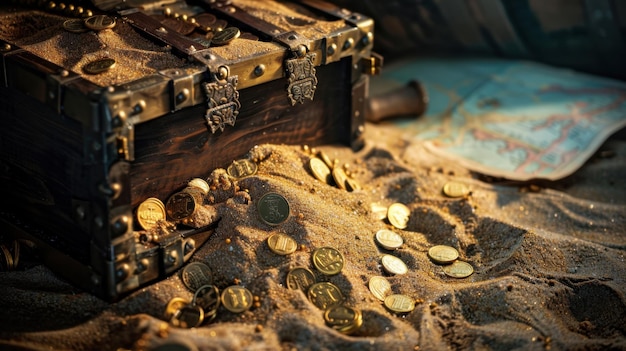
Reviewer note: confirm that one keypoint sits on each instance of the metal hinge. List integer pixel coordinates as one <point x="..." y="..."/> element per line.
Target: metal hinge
<point x="372" y="65"/>
<point x="222" y="100"/>
<point x="301" y="76"/>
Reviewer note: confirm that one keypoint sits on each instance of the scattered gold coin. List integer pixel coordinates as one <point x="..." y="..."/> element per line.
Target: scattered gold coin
<point x="200" y="184"/>
<point x="344" y="319"/>
<point x="300" y="278"/>
<point x="320" y="171"/>
<point x="324" y="157"/>
<point x="273" y="208"/>
<point x="398" y="215"/>
<point x="242" y="168"/>
<point x="173" y="306"/>
<point x="458" y="269"/>
<point x="443" y="254"/>
<point x="325" y="295"/>
<point x="208" y="298"/>
<point x="281" y="244"/>
<point x="75" y="25"/>
<point x="378" y="211"/>
<point x="225" y="36"/>
<point x="352" y="184"/>
<point x="455" y="189"/>
<point x="150" y="212"/>
<point x="99" y="66"/>
<point x="380" y="287"/>
<point x="100" y="22"/>
<point x="196" y="275"/>
<point x="340" y="178"/>
<point x="394" y="265"/>
<point x="237" y="299"/>
<point x="188" y="316"/>
<point x="328" y="260"/>
<point x="399" y="303"/>
<point x="388" y="239"/>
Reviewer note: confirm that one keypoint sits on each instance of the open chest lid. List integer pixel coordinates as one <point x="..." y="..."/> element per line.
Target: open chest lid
<point x="152" y="58"/>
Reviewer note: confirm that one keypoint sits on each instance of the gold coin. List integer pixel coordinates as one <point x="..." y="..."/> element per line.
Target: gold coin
<point x="320" y="171"/>
<point x="225" y="36"/>
<point x="300" y="278"/>
<point x="196" y="275"/>
<point x="328" y="260"/>
<point x="281" y="244"/>
<point x="75" y="25"/>
<point x="236" y="298"/>
<point x="188" y="316"/>
<point x="398" y="215"/>
<point x="273" y="208"/>
<point x="100" y="22"/>
<point x="343" y="318"/>
<point x="399" y="303"/>
<point x="455" y="189"/>
<point x="200" y="184"/>
<point x="173" y="306"/>
<point x="99" y="66"/>
<point x="180" y="206"/>
<point x="322" y="155"/>
<point x="458" y="269"/>
<point x="325" y="295"/>
<point x="352" y="185"/>
<point x="388" y="239"/>
<point x="443" y="254"/>
<point x="340" y="178"/>
<point x="242" y="168"/>
<point x="208" y="298"/>
<point x="378" y="211"/>
<point x="150" y="212"/>
<point x="394" y="265"/>
<point x="380" y="287"/>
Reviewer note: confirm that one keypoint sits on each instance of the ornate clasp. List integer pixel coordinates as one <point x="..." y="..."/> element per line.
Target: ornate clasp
<point x="301" y="76"/>
<point x="222" y="100"/>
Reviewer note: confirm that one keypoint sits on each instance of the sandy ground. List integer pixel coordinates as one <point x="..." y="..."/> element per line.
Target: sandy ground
<point x="549" y="261"/>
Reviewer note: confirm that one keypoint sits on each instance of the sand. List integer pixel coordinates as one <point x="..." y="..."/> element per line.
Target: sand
<point x="549" y="261"/>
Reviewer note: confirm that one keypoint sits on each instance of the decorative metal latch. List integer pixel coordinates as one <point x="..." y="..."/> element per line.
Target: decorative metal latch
<point x="301" y="76"/>
<point x="222" y="100"/>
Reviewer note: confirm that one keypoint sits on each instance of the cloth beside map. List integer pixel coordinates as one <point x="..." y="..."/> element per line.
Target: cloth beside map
<point x="512" y="119"/>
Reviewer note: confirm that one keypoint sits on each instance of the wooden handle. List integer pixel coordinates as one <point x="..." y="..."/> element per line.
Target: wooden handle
<point x="409" y="100"/>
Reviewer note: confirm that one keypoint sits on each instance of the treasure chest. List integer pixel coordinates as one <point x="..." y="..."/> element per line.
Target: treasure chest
<point x="106" y="104"/>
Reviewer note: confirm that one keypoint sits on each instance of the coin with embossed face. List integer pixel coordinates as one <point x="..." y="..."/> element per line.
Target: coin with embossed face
<point x="328" y="260"/>
<point x="344" y="319"/>
<point x="237" y="299"/>
<point x="241" y="168"/>
<point x="394" y="265"/>
<point x="281" y="244"/>
<point x="325" y="295"/>
<point x="300" y="278"/>
<point x="273" y="208"/>
<point x="380" y="287"/>
<point x="196" y="275"/>
<point x="75" y="25"/>
<point x="398" y="215"/>
<point x="458" y="269"/>
<point x="225" y="36"/>
<point x="388" y="239"/>
<point x="150" y="212"/>
<point x="399" y="303"/>
<point x="443" y="254"/>
<point x="99" y="66"/>
<point x="100" y="22"/>
<point x="455" y="189"/>
<point x="320" y="171"/>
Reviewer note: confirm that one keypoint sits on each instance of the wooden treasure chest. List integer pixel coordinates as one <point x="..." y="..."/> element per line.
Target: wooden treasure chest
<point x="109" y="103"/>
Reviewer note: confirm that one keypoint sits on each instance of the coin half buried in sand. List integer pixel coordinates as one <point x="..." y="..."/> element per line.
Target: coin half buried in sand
<point x="328" y="260"/>
<point x="99" y="66"/>
<point x="455" y="189"/>
<point x="340" y="177"/>
<point x="394" y="265"/>
<point x="196" y="275"/>
<point x="399" y="303"/>
<point x="150" y="212"/>
<point x="300" y="278"/>
<point x="320" y="170"/>
<point x="458" y="269"/>
<point x="242" y="168"/>
<point x="325" y="295"/>
<point x="100" y="22"/>
<point x="398" y="215"/>
<point x="237" y="299"/>
<point x="380" y="287"/>
<point x="75" y="25"/>
<point x="281" y="244"/>
<point x="388" y="239"/>
<point x="273" y="208"/>
<point x="443" y="254"/>
<point x="343" y="319"/>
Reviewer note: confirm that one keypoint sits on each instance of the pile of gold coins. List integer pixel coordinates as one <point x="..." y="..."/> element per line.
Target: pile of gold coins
<point x="329" y="172"/>
<point x="207" y="299"/>
<point x="447" y="256"/>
